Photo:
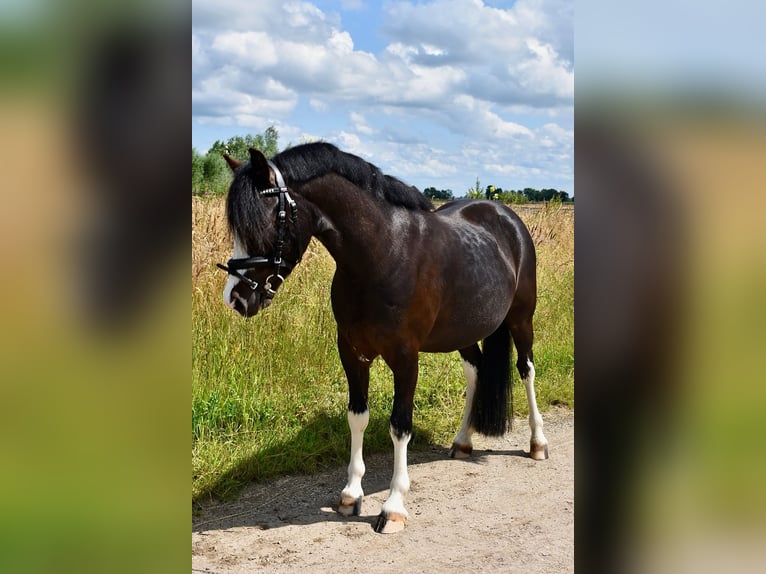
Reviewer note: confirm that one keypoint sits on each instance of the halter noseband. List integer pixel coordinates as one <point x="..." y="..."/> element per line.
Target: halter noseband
<point x="235" y="265"/>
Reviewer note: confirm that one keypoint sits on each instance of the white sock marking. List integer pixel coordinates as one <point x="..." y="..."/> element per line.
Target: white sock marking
<point x="357" y="423"/>
<point x="471" y="378"/>
<point x="535" y="420"/>
<point x="400" y="482"/>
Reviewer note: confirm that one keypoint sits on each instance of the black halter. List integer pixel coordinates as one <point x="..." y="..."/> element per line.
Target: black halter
<point x="234" y="266"/>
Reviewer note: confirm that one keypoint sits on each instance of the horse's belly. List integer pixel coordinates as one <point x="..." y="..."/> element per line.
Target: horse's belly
<point x="458" y="331"/>
<point x="469" y="313"/>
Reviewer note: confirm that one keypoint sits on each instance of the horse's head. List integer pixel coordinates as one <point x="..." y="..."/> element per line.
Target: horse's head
<point x="268" y="244"/>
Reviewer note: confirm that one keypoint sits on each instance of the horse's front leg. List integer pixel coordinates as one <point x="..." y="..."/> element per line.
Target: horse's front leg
<point x="358" y="374"/>
<point x="394" y="515"/>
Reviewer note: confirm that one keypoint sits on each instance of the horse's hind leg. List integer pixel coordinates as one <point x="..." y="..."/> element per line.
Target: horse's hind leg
<point x="462" y="447"/>
<point x="523" y="335"/>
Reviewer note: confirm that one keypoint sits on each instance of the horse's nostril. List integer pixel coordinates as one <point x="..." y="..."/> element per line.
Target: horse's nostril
<point x="230" y="304"/>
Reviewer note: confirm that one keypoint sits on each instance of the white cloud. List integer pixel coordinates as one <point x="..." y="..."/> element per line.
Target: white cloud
<point x="204" y="120"/>
<point x="552" y="135"/>
<point x="198" y="54"/>
<point x="481" y="75"/>
<point x="350" y="143"/>
<point x="511" y="55"/>
<point x="318" y="105"/>
<point x="419" y="68"/>
<point x="254" y="50"/>
<point x="487" y="123"/>
<point x="341" y="42"/>
<point x="433" y="50"/>
<point x="406" y="161"/>
<point x="228" y="93"/>
<point x="352" y="4"/>
<point x="360" y="124"/>
<point x="544" y="73"/>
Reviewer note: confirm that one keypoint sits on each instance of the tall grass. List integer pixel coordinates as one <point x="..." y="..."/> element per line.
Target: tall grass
<point x="269" y="395"/>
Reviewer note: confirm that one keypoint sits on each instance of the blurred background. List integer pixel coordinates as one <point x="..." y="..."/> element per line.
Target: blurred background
<point x="94" y="336"/>
<point x="671" y="272"/>
<point x="671" y="262"/>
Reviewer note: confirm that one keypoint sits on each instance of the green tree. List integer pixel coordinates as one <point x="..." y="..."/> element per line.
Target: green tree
<point x="238" y="146"/>
<point x="531" y="194"/>
<point x="211" y="174"/>
<point x="547" y="194"/>
<point x="441" y="194"/>
<point x="198" y="172"/>
<point x="216" y="173"/>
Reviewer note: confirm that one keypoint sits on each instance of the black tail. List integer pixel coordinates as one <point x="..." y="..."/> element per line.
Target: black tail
<point x="493" y="391"/>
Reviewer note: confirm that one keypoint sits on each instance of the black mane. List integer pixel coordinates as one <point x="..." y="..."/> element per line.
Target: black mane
<point x="247" y="214"/>
<point x="305" y="162"/>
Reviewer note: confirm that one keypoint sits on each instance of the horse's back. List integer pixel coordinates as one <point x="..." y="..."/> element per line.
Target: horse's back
<point x="497" y="219"/>
<point x="483" y="212"/>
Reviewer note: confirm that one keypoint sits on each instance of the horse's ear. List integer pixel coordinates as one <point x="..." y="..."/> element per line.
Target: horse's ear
<point x="261" y="170"/>
<point x="233" y="163"/>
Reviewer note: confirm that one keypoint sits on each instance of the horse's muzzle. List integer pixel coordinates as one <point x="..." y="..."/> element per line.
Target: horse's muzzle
<point x="250" y="305"/>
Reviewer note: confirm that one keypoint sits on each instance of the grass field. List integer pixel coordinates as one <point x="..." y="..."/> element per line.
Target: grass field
<point x="269" y="394"/>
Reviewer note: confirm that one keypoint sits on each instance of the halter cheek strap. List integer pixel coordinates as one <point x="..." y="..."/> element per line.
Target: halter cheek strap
<point x="283" y="194"/>
<point x="277" y="174"/>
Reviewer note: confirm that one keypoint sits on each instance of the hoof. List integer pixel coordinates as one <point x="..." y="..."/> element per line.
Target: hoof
<point x="460" y="450"/>
<point x="390" y="524"/>
<point x="538" y="451"/>
<point x="350" y="506"/>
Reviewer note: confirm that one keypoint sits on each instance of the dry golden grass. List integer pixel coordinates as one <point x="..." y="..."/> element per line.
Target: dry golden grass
<point x="551" y="226"/>
<point x="211" y="240"/>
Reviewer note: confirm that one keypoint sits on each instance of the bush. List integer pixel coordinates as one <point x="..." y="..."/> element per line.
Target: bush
<point x="210" y="173"/>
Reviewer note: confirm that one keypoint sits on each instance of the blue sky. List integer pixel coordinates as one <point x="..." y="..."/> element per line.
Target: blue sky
<point x="436" y="93"/>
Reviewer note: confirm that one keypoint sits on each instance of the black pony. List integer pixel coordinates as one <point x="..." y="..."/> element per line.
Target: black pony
<point x="408" y="279"/>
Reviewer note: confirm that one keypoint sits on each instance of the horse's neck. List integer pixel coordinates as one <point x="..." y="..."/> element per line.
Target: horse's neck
<point x="350" y="224"/>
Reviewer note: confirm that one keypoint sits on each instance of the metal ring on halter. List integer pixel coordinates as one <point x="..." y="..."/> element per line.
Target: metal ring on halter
<point x="267" y="285"/>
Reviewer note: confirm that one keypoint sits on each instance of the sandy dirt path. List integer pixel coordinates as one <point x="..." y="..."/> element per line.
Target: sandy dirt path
<point x="497" y="512"/>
